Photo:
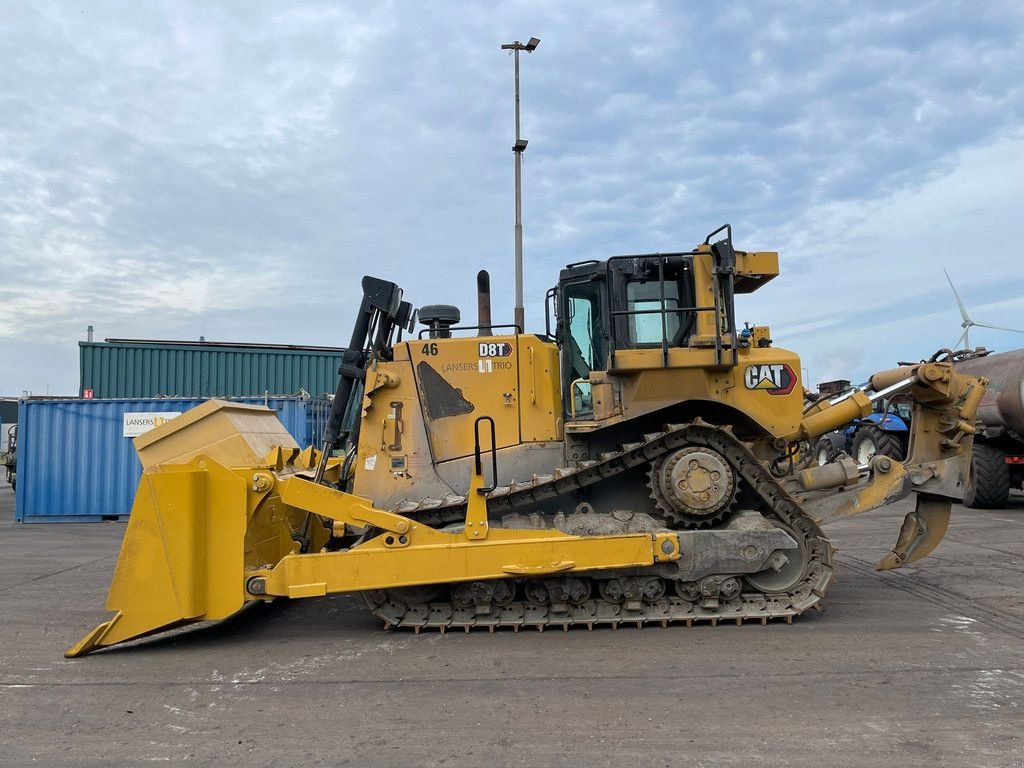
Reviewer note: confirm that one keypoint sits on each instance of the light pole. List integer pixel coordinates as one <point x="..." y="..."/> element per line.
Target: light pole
<point x="517" y="149"/>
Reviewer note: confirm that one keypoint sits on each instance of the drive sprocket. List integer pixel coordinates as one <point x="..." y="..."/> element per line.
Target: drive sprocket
<point x="693" y="486"/>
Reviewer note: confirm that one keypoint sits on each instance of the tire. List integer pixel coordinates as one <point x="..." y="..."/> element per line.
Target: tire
<point x="871" y="441"/>
<point x="825" y="451"/>
<point x="989" y="483"/>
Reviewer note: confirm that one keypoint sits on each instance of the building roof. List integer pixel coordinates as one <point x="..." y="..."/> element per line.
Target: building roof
<point x="205" y="343"/>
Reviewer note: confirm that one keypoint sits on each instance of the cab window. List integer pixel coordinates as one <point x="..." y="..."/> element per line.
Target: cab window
<point x="644" y="299"/>
<point x="584" y="341"/>
<point x="637" y="298"/>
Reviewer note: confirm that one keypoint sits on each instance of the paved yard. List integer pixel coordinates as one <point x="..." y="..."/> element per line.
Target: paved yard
<point x="921" y="667"/>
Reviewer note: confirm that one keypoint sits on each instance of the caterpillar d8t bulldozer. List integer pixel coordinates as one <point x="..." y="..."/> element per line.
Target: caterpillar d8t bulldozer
<point x="643" y="461"/>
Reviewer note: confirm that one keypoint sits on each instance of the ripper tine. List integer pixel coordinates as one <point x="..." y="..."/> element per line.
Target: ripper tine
<point x="921" y="532"/>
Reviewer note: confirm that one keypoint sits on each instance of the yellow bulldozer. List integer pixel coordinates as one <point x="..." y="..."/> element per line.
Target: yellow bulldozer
<point x="642" y="461"/>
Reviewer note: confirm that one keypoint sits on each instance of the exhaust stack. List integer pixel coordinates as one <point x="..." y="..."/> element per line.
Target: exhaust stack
<point x="483" y="302"/>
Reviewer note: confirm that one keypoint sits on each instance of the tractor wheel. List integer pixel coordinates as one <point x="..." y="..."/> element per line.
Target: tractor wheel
<point x="825" y="451"/>
<point x="989" y="482"/>
<point x="872" y="440"/>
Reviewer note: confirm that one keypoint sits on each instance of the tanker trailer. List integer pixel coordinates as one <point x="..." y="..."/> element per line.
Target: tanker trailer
<point x="998" y="462"/>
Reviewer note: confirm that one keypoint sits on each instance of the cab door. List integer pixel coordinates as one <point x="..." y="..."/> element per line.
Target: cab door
<point x="584" y="344"/>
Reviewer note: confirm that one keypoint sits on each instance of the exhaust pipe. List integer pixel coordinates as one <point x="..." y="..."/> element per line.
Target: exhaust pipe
<point x="483" y="302"/>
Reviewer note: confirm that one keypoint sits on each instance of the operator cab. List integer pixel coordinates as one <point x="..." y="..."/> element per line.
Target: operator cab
<point x="616" y="316"/>
<point x="627" y="302"/>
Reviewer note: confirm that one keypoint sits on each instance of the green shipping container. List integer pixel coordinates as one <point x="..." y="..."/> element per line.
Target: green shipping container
<point x="119" y="368"/>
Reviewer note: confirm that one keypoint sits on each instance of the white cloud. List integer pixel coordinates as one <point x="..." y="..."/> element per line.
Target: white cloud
<point x="867" y="274"/>
<point x="233" y="170"/>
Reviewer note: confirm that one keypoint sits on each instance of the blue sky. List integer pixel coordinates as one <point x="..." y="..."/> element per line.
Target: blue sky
<point x="171" y="170"/>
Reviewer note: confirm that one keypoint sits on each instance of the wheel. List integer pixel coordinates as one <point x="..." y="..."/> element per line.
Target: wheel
<point x="693" y="486"/>
<point x="872" y="440"/>
<point x="989" y="481"/>
<point x="825" y="451"/>
<point x="790" y="574"/>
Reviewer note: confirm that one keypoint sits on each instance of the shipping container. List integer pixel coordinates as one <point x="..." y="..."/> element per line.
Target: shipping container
<point x="320" y="413"/>
<point x="118" y="368"/>
<point x="76" y="464"/>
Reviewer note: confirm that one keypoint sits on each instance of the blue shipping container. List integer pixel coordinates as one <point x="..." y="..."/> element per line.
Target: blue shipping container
<point x="75" y="465"/>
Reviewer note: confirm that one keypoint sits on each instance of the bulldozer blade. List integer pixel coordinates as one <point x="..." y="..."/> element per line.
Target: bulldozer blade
<point x="185" y="545"/>
<point x="181" y="556"/>
<point x="921" y="532"/>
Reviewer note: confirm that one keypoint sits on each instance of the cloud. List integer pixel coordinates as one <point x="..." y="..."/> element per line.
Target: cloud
<point x="869" y="273"/>
<point x="230" y="170"/>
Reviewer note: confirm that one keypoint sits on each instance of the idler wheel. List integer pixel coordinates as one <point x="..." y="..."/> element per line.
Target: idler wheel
<point x="786" y="570"/>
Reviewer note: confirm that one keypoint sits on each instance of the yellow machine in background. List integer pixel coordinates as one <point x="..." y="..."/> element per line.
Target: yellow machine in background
<point x="640" y="462"/>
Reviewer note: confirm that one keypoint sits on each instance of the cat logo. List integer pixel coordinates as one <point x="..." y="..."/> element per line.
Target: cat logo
<point x="773" y="378"/>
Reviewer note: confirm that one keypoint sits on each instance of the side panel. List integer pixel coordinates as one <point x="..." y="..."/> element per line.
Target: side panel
<point x="540" y="402"/>
<point x="704" y="293"/>
<point x="393" y="459"/>
<point x="461" y="379"/>
<point x="416" y="434"/>
<point x="765" y="385"/>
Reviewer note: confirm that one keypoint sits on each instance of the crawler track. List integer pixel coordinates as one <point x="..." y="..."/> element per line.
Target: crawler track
<point x="604" y="599"/>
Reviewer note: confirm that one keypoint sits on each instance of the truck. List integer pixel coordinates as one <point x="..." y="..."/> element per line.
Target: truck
<point x="640" y="461"/>
<point x="997" y="466"/>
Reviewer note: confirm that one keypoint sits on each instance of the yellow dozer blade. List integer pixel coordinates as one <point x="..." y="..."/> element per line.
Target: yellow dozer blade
<point x="226" y="513"/>
<point x="184" y="548"/>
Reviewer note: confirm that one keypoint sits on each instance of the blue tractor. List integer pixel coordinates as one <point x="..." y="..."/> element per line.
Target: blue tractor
<point x="885" y="431"/>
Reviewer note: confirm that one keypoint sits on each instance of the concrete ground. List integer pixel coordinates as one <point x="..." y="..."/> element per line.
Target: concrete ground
<point x="921" y="667"/>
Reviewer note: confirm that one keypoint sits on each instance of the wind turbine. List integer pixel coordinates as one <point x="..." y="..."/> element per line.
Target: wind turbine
<point x="967" y="323"/>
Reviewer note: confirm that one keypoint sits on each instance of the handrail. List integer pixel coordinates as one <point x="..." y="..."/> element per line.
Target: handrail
<point x="572" y="400"/>
<point x="722" y="296"/>
<point x="728" y="233"/>
<point x="477" y="463"/>
<point x="662" y="309"/>
<point x="492" y="326"/>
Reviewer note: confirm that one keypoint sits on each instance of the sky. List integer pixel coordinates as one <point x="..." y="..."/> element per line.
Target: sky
<point x="230" y="170"/>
